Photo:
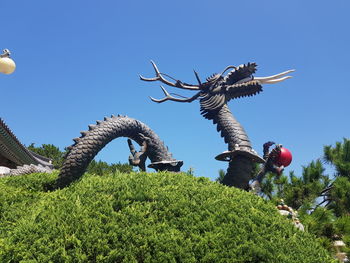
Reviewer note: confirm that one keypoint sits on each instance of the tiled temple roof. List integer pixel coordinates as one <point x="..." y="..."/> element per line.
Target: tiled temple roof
<point x="12" y="149"/>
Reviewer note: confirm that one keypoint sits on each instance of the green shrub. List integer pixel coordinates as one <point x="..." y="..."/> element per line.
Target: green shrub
<point x="140" y="217"/>
<point x="101" y="167"/>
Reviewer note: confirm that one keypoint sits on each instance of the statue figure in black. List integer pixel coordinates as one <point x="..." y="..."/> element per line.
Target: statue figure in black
<point x="213" y="96"/>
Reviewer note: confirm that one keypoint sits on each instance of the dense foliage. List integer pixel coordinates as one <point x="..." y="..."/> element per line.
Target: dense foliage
<point x="140" y="217"/>
<point x="322" y="200"/>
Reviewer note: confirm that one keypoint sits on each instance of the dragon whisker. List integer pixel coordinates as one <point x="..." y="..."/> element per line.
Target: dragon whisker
<point x="273" y="81"/>
<point x="274" y="76"/>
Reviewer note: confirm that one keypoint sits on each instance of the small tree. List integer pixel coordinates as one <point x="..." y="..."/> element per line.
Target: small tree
<point x="297" y="192"/>
<point x="339" y="197"/>
<point x="339" y="157"/>
<point x="304" y="190"/>
<point x="338" y="194"/>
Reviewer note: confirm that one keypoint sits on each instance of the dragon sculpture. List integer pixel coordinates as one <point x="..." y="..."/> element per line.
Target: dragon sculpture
<point x="16" y="159"/>
<point x="213" y="96"/>
<point x="85" y="148"/>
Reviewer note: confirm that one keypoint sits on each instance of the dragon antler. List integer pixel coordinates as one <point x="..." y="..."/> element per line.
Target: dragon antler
<point x="169" y="97"/>
<point x="177" y="84"/>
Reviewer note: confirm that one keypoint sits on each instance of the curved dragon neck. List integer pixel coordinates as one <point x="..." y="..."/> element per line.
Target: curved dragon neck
<point x="231" y="129"/>
<point x="242" y="156"/>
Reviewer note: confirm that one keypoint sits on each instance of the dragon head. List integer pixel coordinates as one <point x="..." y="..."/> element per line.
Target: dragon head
<point x="240" y="81"/>
<point x="218" y="88"/>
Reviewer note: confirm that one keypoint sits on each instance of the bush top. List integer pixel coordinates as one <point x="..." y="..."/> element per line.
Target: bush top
<point x="141" y="217"/>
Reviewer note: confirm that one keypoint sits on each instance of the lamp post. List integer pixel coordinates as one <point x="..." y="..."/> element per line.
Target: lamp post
<point x="7" y="65"/>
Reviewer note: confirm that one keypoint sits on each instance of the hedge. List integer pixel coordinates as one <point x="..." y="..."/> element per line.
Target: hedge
<point x="143" y="217"/>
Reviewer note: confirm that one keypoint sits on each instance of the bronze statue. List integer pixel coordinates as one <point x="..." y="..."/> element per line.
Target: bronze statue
<point x="213" y="95"/>
<point x="86" y="147"/>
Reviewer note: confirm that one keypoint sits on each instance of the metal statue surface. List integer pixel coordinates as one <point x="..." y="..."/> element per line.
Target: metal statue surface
<point x="270" y="165"/>
<point x="86" y="147"/>
<point x="213" y="96"/>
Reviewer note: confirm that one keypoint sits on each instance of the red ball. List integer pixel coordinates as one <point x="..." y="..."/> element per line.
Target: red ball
<point x="284" y="158"/>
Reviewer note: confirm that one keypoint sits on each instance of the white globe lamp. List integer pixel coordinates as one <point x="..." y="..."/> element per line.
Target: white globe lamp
<point x="7" y="65"/>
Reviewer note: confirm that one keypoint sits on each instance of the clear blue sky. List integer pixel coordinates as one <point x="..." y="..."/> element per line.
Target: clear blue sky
<point x="78" y="61"/>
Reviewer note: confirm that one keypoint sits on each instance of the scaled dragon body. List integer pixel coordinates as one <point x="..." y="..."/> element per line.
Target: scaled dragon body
<point x="85" y="148"/>
<point x="16" y="159"/>
<point x="213" y="95"/>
